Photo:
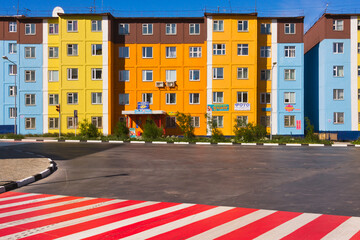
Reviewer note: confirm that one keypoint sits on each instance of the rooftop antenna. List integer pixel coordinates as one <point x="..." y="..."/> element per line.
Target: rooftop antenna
<point x="93" y="8"/>
<point x="327" y="5"/>
<point x="218" y="9"/>
<point x="17" y="10"/>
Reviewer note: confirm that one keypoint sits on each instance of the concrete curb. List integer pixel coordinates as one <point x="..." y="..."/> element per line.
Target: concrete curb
<point x="31" y="179"/>
<point x="197" y="143"/>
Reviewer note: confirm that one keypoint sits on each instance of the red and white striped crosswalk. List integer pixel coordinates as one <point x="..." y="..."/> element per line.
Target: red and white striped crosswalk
<point x="42" y="216"/>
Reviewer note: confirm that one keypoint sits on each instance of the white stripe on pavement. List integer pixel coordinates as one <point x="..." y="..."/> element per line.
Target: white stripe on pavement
<point x="29" y="201"/>
<point x="345" y="231"/>
<point x="232" y="225"/>
<point x="18" y="196"/>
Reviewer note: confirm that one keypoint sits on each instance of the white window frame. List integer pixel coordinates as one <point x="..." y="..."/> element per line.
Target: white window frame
<point x="265" y="52"/>
<point x="70" y="74"/>
<point x="289" y="98"/>
<point x="288" y="73"/>
<point x="94" y="74"/>
<point x="243" y="26"/>
<point x="53" y="28"/>
<point x="123" y="53"/>
<point x="53" y="123"/>
<point x="124" y="98"/>
<point x="30" y="52"/>
<point x="337" y="49"/>
<point x="147" y="97"/>
<point x="170" y="52"/>
<point x="243" y="49"/>
<point x="219" y="121"/>
<point x="30" y="76"/>
<point x="170" y="29"/>
<point x="51" y="75"/>
<point x="30" y="123"/>
<point x="145" y="52"/>
<point x="219" y="49"/>
<point x="218" y="25"/>
<point x="30" y="29"/>
<point x="12" y="48"/>
<point x="289" y="121"/>
<point x="94" y="49"/>
<point x="53" y="99"/>
<point x="289" y="51"/>
<point x="53" y="52"/>
<point x="337" y="71"/>
<point x="96" y="98"/>
<point x="265" y="28"/>
<point x="242" y="73"/>
<point x="72" y="25"/>
<point x="242" y="97"/>
<point x="12" y="91"/>
<point x="12" y="26"/>
<point x="338" y="25"/>
<point x="337" y="117"/>
<point x="72" y="50"/>
<point x="124" y="29"/>
<point x="71" y="121"/>
<point x="195" y="52"/>
<point x="195" y="121"/>
<point x="147" y="29"/>
<point x="192" y="98"/>
<point x="338" y="94"/>
<point x="30" y="99"/>
<point x="169" y="97"/>
<point x="97" y="122"/>
<point x="192" y="75"/>
<point x="193" y="27"/>
<point x="12" y="112"/>
<point x="358" y="49"/>
<point x="12" y="69"/>
<point x="264" y="73"/>
<point x="96" y="26"/>
<point x="74" y="98"/>
<point x="124" y="75"/>
<point x="145" y="75"/>
<point x="243" y="120"/>
<point x="218" y="97"/>
<point x="216" y="73"/>
<point x="170" y="75"/>
<point x="265" y="98"/>
<point x="290" y="28"/>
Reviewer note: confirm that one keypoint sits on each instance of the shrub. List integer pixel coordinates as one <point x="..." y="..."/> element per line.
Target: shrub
<point x="89" y="130"/>
<point x="121" y="130"/>
<point x="248" y="132"/>
<point x="216" y="133"/>
<point x="184" y="122"/>
<point x="309" y="131"/>
<point x="151" y="131"/>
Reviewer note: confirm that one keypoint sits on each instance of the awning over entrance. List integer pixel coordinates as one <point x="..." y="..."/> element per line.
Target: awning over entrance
<point x="144" y="112"/>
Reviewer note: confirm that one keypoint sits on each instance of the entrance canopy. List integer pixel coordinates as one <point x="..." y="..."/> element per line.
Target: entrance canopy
<point x="144" y="111"/>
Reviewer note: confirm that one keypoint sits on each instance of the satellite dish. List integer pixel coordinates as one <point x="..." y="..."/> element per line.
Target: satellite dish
<point x="56" y="11"/>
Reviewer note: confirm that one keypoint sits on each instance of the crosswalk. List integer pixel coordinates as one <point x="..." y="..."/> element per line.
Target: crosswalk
<point x="42" y="216"/>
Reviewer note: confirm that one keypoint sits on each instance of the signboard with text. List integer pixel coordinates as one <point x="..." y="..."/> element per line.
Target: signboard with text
<point x="218" y="107"/>
<point x="242" y="107"/>
<point x="143" y="105"/>
<point x="143" y="111"/>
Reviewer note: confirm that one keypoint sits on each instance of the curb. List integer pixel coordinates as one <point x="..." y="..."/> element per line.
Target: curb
<point x="183" y="143"/>
<point x="28" y="180"/>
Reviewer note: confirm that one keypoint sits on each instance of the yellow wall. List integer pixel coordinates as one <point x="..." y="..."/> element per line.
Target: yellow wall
<point x="230" y="85"/>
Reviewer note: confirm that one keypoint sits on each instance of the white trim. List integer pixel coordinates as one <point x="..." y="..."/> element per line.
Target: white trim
<point x="353" y="74"/>
<point x="105" y="75"/>
<point x="274" y="78"/>
<point x="45" y="77"/>
<point x="209" y="65"/>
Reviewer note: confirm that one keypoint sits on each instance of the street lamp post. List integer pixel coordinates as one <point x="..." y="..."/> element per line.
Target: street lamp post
<point x="272" y="68"/>
<point x="15" y="91"/>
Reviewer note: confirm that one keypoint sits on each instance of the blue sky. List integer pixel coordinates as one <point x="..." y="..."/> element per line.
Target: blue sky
<point x="311" y="9"/>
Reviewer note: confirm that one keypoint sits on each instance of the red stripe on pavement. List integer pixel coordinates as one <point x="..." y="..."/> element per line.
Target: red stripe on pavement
<point x="151" y="223"/>
<point x="34" y="197"/>
<point x="45" y="211"/>
<point x="260" y="226"/>
<point x="356" y="236"/>
<point x="36" y="204"/>
<point x="49" y="221"/>
<point x="99" y="222"/>
<point x="204" y="225"/>
<point x="317" y="228"/>
<point x="11" y="194"/>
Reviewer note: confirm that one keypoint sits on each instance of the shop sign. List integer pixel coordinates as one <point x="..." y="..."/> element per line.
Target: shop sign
<point x="171" y="113"/>
<point x="143" y="111"/>
<point x="289" y="108"/>
<point x="143" y="105"/>
<point x="298" y="124"/>
<point x="132" y="133"/>
<point x="242" y="107"/>
<point x="218" y="107"/>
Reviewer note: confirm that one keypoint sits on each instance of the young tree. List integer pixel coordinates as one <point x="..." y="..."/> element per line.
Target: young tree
<point x="121" y="130"/>
<point x="88" y="130"/>
<point x="184" y="122"/>
<point x="151" y="131"/>
<point x="216" y="133"/>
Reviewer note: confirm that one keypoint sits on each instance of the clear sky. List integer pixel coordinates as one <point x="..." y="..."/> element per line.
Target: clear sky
<point x="311" y="9"/>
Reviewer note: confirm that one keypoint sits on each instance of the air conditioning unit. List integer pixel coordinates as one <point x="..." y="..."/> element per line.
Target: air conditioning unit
<point x="170" y="84"/>
<point x="159" y="84"/>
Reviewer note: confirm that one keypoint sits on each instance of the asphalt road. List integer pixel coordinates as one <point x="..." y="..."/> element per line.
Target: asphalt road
<point x="301" y="179"/>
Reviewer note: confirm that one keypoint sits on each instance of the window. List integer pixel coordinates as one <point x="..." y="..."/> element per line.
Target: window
<point x="170" y="98"/>
<point x="265" y="28"/>
<point x="338" y="118"/>
<point x="96" y="26"/>
<point x="30" y="123"/>
<point x="289" y="120"/>
<point x="12" y="112"/>
<point x="358" y="71"/>
<point x="338" y="71"/>
<point x="358" y="48"/>
<point x="358" y="94"/>
<point x="53" y="52"/>
<point x="170" y="122"/>
<point x="53" y="99"/>
<point x="12" y="27"/>
<point x="147" y="97"/>
<point x="30" y="99"/>
<point x="358" y="25"/>
<point x="123" y="99"/>
<point x="242" y="73"/>
<point x="29" y="75"/>
<point x="30" y="29"/>
<point x="265" y="52"/>
<point x="218" y="121"/>
<point x="338" y="25"/>
<point x="265" y="98"/>
<point x="289" y="74"/>
<point x="96" y="98"/>
<point x="218" y="49"/>
<point x="12" y="48"/>
<point x="124" y="29"/>
<point x="242" y="121"/>
<point x="53" y="123"/>
<point x="96" y="49"/>
<point x="12" y="69"/>
<point x="170" y="75"/>
<point x="73" y="73"/>
<point x="289" y="51"/>
<point x="194" y="98"/>
<point x="218" y="26"/>
<point x="53" y="76"/>
<point x="289" y="97"/>
<point x="29" y="52"/>
<point x="53" y="28"/>
<point x="338" y="94"/>
<point x="123" y="52"/>
<point x="265" y="121"/>
<point x="124" y="75"/>
<point x="12" y="91"/>
<point x="194" y="28"/>
<point x="147" y="52"/>
<point x="242" y="97"/>
<point x="243" y="49"/>
<point x="218" y="73"/>
<point x="338" y="47"/>
<point x="147" y="75"/>
<point x="195" y="122"/>
<point x="97" y="121"/>
<point x="71" y="122"/>
<point x="265" y="75"/>
<point x="170" y="29"/>
<point x="96" y="74"/>
<point x="147" y="29"/>
<point x="290" y="28"/>
<point x="72" y="98"/>
<point x="72" y="26"/>
<point x="72" y="49"/>
<point x="170" y="52"/>
<point x="243" y="26"/>
<point x="194" y="75"/>
<point x="195" y="52"/>
<point x="218" y="97"/>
